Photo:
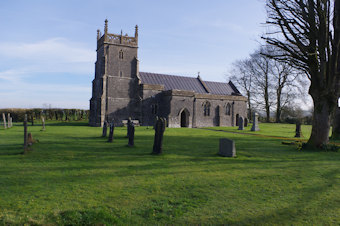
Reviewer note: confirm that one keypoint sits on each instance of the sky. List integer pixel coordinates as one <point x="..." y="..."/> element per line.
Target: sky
<point x="48" y="48"/>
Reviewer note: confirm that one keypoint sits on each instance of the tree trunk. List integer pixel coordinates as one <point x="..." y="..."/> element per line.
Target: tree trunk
<point x="278" y="106"/>
<point x="320" y="124"/>
<point x="266" y="98"/>
<point x="249" y="105"/>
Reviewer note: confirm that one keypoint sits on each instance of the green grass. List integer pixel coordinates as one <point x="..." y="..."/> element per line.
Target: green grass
<point x="74" y="176"/>
<point x="271" y="129"/>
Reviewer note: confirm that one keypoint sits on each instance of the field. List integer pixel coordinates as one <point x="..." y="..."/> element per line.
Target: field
<point x="73" y="176"/>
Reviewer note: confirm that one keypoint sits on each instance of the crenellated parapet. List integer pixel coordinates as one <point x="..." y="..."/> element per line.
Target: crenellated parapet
<point x="116" y="39"/>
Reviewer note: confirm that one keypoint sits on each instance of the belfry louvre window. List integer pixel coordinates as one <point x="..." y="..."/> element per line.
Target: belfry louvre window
<point x="121" y="54"/>
<point x="206" y="108"/>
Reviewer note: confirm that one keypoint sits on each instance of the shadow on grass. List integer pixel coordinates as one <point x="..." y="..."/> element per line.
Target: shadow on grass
<point x="289" y="214"/>
<point x="73" y="123"/>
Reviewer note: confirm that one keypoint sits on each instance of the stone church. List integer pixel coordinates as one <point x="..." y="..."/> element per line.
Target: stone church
<point x="120" y="91"/>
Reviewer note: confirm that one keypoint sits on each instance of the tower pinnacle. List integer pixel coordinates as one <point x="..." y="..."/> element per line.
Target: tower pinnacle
<point x="105" y="27"/>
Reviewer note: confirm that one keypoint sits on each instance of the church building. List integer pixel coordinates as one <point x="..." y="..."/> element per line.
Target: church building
<point x="120" y="91"/>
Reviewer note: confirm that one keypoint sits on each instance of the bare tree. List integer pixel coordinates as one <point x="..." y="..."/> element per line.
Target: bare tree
<point x="266" y="82"/>
<point x="286" y="84"/>
<point x="242" y="75"/>
<point x="303" y="31"/>
<point x="261" y="68"/>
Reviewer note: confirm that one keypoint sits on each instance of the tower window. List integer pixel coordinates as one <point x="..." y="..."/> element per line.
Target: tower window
<point x="120" y="74"/>
<point x="206" y="108"/>
<point x="121" y="54"/>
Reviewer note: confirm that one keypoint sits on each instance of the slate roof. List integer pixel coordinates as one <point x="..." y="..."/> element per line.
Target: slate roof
<point x="188" y="83"/>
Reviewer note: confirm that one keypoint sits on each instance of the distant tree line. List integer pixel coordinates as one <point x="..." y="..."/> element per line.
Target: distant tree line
<point x="49" y="114"/>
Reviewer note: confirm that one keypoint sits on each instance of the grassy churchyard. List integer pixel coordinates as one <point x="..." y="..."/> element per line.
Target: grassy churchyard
<point x="74" y="176"/>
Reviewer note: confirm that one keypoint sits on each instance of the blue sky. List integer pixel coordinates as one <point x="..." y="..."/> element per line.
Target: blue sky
<point x="47" y="48"/>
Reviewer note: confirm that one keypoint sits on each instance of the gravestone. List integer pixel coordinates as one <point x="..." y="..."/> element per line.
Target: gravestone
<point x="159" y="126"/>
<point x="298" y="132"/>
<point x="255" y="126"/>
<point x="240" y="123"/>
<point x="131" y="133"/>
<point x="129" y="121"/>
<point x="227" y="148"/>
<point x="43" y="123"/>
<point x="25" y="134"/>
<point x="245" y="122"/>
<point x="104" y="129"/>
<point x="112" y="127"/>
<point x="4" y="118"/>
<point x="8" y="120"/>
<point x="30" y="139"/>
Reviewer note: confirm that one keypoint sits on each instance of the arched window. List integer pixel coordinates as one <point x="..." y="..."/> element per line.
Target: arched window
<point x="120" y="74"/>
<point x="227" y="110"/>
<point x="121" y="54"/>
<point x="206" y="108"/>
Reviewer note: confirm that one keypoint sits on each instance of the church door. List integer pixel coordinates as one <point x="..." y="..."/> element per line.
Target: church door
<point x="185" y="118"/>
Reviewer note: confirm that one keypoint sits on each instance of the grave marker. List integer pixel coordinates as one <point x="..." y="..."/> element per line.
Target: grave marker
<point x="227" y="148"/>
<point x="131" y="133"/>
<point x="112" y="127"/>
<point x="255" y="126"/>
<point x="8" y="120"/>
<point x="104" y="129"/>
<point x="298" y="132"/>
<point x="240" y="123"/>
<point x="43" y="123"/>
<point x="159" y="126"/>
<point x="4" y="118"/>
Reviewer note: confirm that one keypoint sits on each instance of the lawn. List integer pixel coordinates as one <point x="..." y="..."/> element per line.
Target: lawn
<point x="74" y="176"/>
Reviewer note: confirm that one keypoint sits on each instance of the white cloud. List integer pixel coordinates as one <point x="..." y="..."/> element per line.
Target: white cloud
<point x="55" y="49"/>
<point x="20" y="85"/>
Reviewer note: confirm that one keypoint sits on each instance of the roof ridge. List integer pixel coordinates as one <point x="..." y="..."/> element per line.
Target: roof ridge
<point x="182" y="76"/>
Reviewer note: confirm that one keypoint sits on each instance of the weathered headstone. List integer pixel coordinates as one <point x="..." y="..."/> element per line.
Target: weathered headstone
<point x="245" y="122"/>
<point x="159" y="132"/>
<point x="129" y="121"/>
<point x="104" y="129"/>
<point x="4" y="119"/>
<point x="131" y="133"/>
<point x="227" y="148"/>
<point x="112" y="127"/>
<point x="240" y="123"/>
<point x="43" y="123"/>
<point x="8" y="120"/>
<point x="255" y="126"/>
<point x="298" y="132"/>
<point x="25" y="134"/>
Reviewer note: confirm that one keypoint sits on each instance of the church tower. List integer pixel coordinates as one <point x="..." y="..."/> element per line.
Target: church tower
<point x="115" y="88"/>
